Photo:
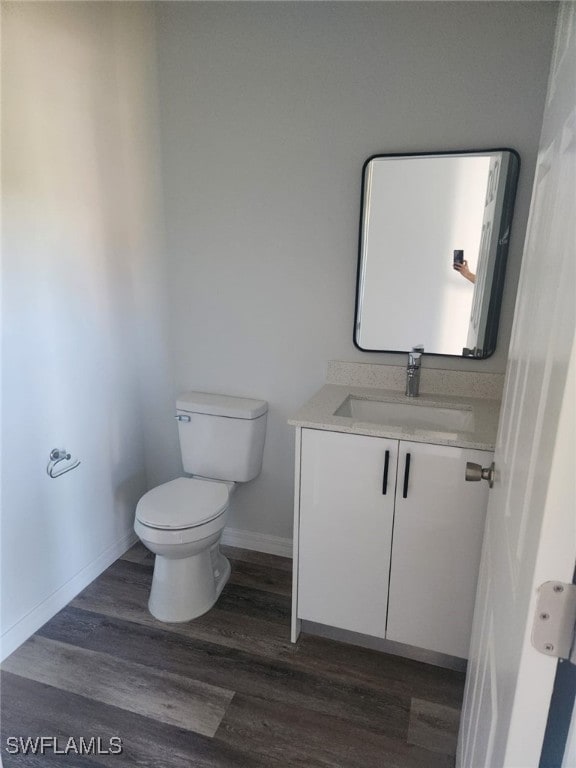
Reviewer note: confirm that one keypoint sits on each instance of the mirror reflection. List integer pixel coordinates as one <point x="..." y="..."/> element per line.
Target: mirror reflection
<point x="433" y="244"/>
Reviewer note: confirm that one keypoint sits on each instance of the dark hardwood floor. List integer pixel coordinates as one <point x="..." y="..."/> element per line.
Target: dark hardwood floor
<point x="227" y="690"/>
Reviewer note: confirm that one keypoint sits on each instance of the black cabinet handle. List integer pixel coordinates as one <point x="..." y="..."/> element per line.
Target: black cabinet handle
<point x="385" y="478"/>
<point x="406" y="476"/>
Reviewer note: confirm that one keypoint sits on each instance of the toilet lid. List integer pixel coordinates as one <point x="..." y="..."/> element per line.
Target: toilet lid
<point x="182" y="503"/>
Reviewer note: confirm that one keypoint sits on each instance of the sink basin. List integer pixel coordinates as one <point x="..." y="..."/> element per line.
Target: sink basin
<point x="407" y="415"/>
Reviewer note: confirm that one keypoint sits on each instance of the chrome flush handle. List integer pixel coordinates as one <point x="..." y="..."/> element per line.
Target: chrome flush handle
<point x="475" y="472"/>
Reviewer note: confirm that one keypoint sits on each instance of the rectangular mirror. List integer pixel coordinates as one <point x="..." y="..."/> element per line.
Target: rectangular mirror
<point x="434" y="237"/>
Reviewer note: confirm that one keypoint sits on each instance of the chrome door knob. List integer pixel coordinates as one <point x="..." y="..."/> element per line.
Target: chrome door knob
<point x="475" y="472"/>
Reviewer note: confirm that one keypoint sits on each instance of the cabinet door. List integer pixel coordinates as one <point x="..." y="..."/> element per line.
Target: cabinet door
<point x="346" y="513"/>
<point x="438" y="532"/>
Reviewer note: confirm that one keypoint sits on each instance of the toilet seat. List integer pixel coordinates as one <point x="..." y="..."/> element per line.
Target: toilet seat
<point x="186" y="502"/>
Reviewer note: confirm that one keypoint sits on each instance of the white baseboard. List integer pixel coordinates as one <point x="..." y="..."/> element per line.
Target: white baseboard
<point x="261" y="542"/>
<point x="44" y="611"/>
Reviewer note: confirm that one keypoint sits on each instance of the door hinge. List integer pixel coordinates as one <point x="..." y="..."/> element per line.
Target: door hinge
<point x="554" y="628"/>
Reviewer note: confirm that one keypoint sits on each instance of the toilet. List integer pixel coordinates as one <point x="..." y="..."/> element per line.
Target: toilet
<point x="222" y="442"/>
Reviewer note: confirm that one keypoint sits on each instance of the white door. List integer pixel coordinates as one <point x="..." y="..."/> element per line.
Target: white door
<point x="530" y="529"/>
<point x="436" y="546"/>
<point x="346" y="511"/>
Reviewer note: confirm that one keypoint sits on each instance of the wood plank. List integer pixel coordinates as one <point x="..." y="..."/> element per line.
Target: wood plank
<point x="122" y="592"/>
<point x="123" y="589"/>
<point x="169" y="698"/>
<point x="369" y="667"/>
<point x="21" y="715"/>
<point x="317" y="704"/>
<point x="299" y="737"/>
<point x="262" y="559"/>
<point x="433" y="726"/>
<point x="248" y="601"/>
<point x="268" y="579"/>
<point x="139" y="554"/>
<point x="277" y="681"/>
<point x="35" y="708"/>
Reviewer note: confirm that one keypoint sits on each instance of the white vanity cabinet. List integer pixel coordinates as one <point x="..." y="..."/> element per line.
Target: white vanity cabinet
<point x="347" y="486"/>
<point x="437" y="542"/>
<point x="387" y="551"/>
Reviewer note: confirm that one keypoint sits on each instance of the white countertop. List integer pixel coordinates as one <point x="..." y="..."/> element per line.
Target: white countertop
<point x="318" y="413"/>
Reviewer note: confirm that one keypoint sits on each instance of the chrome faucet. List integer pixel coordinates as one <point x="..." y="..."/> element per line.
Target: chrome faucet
<point x="413" y="371"/>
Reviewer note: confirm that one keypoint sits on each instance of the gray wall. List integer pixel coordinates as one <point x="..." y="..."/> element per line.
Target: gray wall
<point x="268" y="111"/>
<point x="84" y="363"/>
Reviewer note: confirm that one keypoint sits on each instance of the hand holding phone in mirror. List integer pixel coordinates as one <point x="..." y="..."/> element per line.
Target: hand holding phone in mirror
<point x="461" y="265"/>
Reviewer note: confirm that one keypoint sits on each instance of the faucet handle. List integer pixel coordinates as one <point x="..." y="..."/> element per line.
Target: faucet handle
<point x="415" y="355"/>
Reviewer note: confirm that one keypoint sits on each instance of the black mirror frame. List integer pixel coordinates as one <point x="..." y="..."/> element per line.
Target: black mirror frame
<point x="501" y="257"/>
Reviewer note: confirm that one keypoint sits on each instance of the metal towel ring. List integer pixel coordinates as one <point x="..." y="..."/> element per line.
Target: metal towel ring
<point x="56" y="456"/>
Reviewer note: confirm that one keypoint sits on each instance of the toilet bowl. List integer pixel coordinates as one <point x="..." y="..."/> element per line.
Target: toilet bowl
<point x="181" y="522"/>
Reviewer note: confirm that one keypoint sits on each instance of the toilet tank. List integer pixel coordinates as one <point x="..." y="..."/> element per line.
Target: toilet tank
<point x="221" y="437"/>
